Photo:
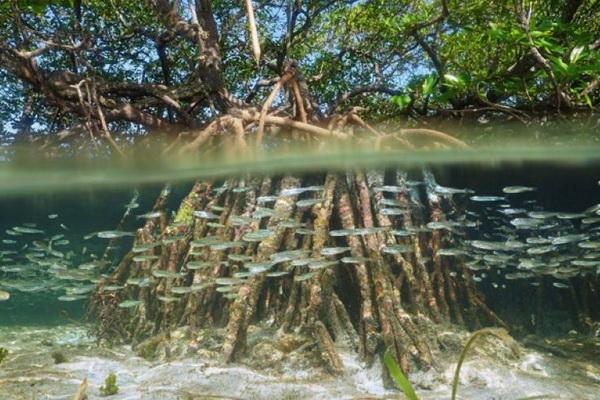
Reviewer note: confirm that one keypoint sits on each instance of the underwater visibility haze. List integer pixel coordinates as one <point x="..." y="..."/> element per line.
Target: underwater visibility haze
<point x="370" y="199"/>
<point x="88" y="270"/>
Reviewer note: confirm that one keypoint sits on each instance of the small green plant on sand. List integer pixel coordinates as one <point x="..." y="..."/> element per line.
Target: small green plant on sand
<point x="3" y="354"/>
<point x="403" y="382"/>
<point x="110" y="385"/>
<point x="500" y="333"/>
<point x="398" y="376"/>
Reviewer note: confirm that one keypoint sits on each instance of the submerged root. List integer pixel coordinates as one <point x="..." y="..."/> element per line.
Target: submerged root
<point x="208" y="273"/>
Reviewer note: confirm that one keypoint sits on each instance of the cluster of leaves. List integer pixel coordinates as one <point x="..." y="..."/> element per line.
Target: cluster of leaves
<point x="480" y="52"/>
<point x="409" y="58"/>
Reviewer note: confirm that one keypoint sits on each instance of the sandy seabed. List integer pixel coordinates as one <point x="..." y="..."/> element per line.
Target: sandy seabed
<point x="29" y="372"/>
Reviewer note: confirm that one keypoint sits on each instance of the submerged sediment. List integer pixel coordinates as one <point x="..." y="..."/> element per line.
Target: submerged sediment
<point x="187" y="366"/>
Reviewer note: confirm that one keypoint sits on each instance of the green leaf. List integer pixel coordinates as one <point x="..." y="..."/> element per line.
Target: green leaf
<point x="500" y="333"/>
<point x="575" y="54"/>
<point x="588" y="101"/>
<point x="401" y="101"/>
<point x="39" y="6"/>
<point x="560" y="66"/>
<point x="443" y="97"/>
<point x="428" y="85"/>
<point x="452" y="79"/>
<point x="496" y="31"/>
<point x="537" y="34"/>
<point x="398" y="376"/>
<point x="548" y="45"/>
<point x="456" y="82"/>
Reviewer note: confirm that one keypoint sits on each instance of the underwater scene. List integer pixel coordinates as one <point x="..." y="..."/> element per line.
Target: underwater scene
<point x="301" y="284"/>
<point x="299" y="199"/>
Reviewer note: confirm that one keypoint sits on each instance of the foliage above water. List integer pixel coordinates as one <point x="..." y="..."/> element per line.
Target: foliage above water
<point x="75" y="69"/>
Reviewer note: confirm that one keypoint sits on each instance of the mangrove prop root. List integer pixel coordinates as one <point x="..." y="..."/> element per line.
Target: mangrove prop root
<point x="243" y="307"/>
<point x="381" y="301"/>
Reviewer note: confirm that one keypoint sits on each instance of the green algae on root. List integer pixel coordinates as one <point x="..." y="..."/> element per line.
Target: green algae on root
<point x="3" y="354"/>
<point x="148" y="349"/>
<point x="58" y="357"/>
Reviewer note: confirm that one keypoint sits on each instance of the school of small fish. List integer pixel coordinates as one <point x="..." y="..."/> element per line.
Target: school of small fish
<point x="498" y="237"/>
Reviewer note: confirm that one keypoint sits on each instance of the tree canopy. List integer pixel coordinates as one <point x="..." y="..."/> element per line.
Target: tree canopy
<point x="160" y="67"/>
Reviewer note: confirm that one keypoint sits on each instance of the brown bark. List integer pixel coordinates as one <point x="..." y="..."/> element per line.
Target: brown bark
<point x="357" y="306"/>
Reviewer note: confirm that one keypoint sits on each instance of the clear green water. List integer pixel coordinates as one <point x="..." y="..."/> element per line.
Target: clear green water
<point x="90" y="197"/>
<point x="91" y="201"/>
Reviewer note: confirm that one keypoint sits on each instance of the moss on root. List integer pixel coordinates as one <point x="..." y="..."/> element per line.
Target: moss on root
<point x="148" y="349"/>
<point x="3" y="354"/>
<point x="185" y="213"/>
